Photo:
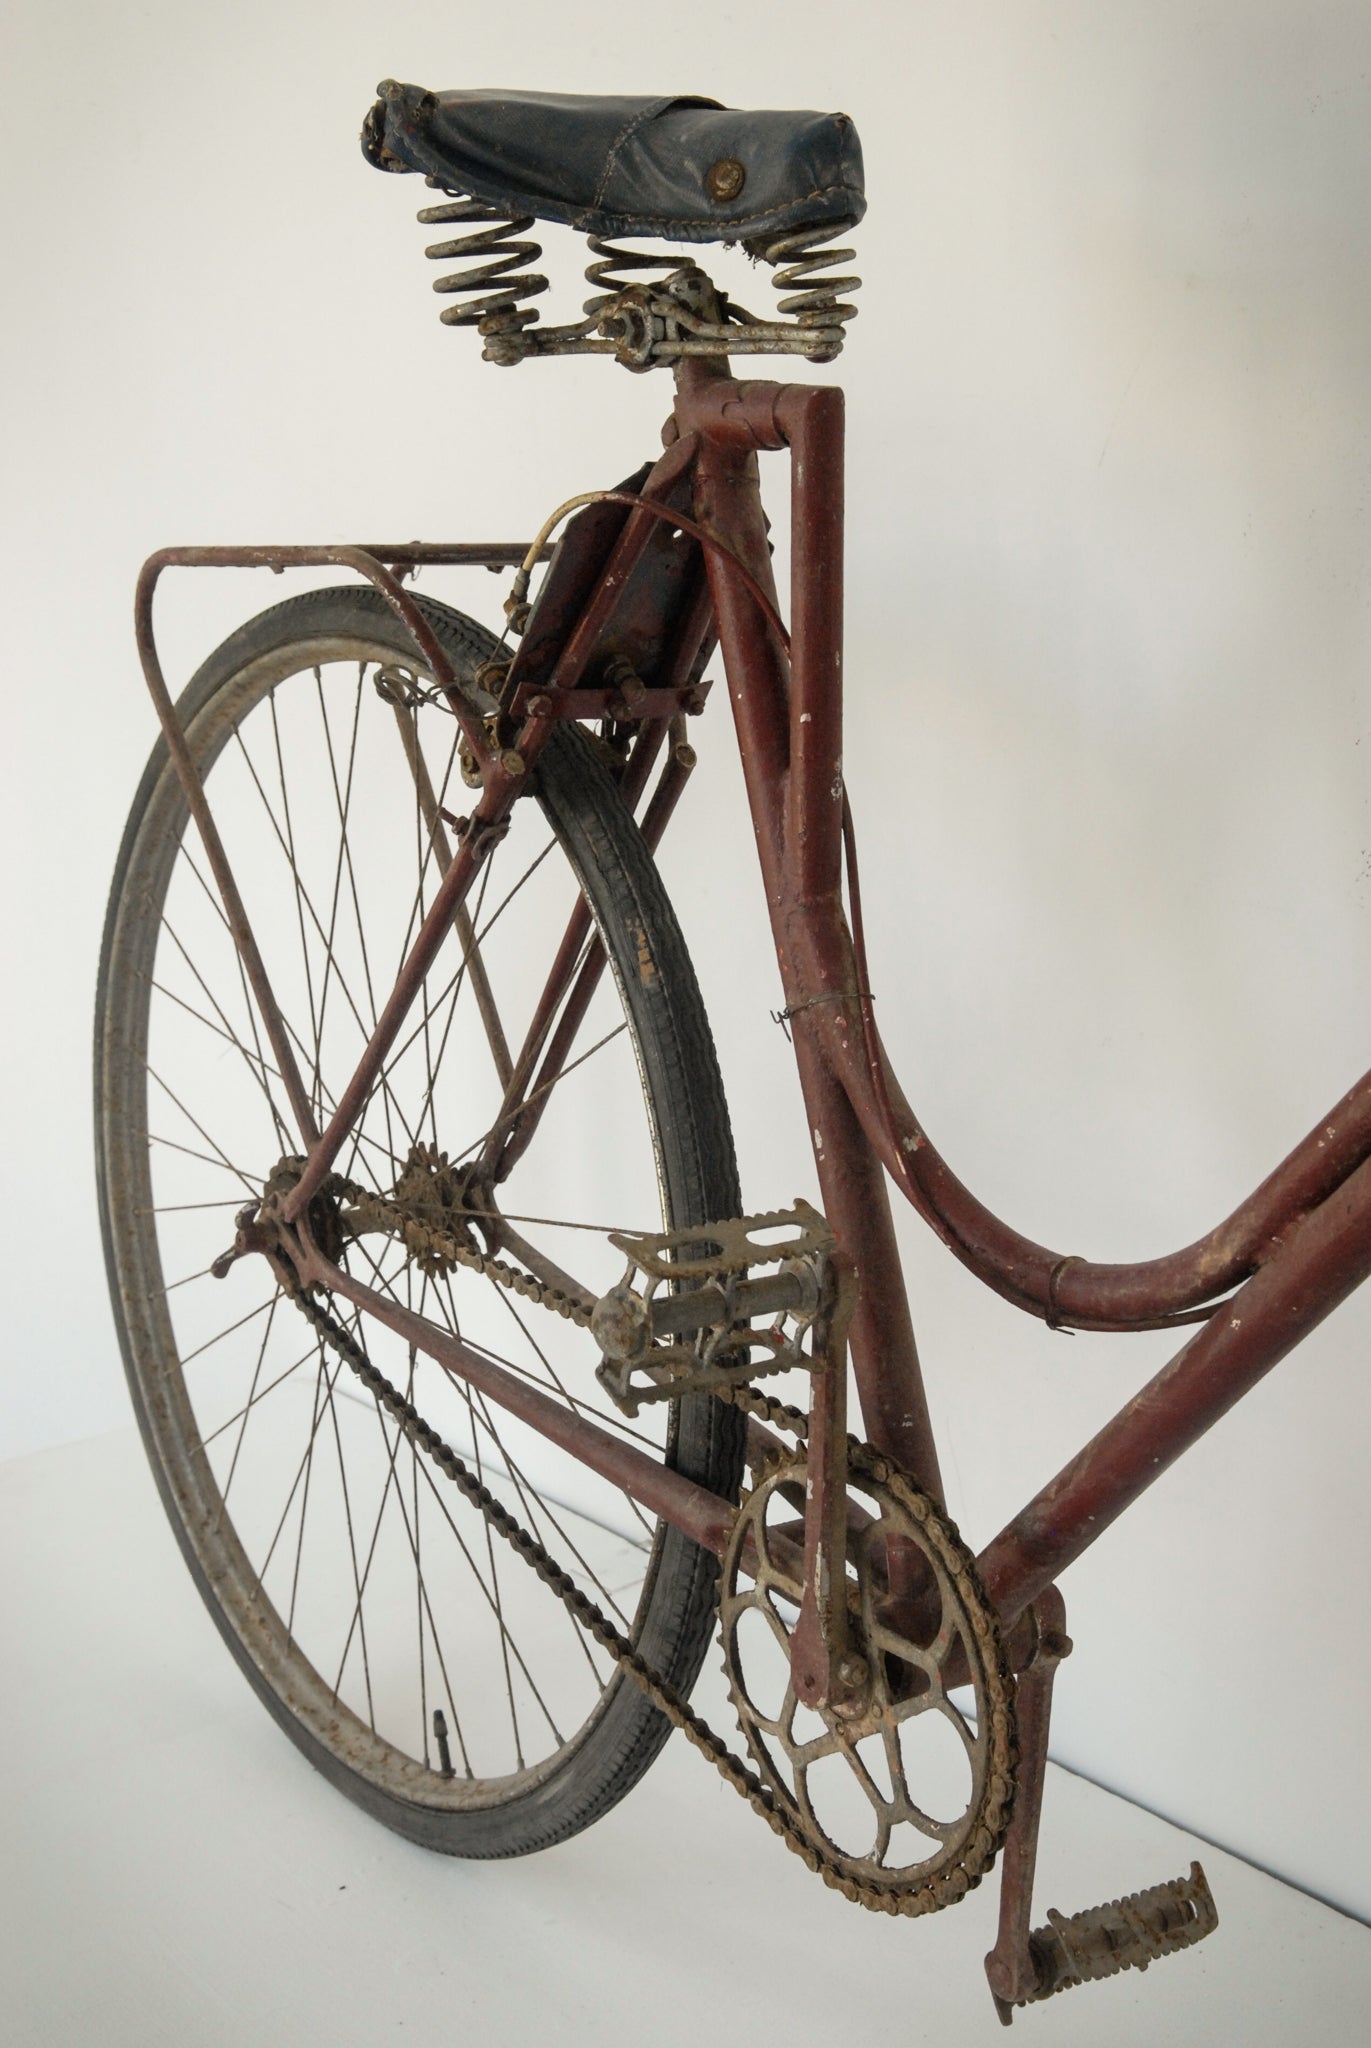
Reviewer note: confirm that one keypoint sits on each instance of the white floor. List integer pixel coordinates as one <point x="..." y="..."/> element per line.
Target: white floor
<point x="173" y="1873"/>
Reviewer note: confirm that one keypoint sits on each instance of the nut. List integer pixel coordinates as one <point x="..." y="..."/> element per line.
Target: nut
<point x="621" y="1324"/>
<point x="490" y="674"/>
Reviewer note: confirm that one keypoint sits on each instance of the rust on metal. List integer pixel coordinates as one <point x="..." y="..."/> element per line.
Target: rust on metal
<point x="878" y="1609"/>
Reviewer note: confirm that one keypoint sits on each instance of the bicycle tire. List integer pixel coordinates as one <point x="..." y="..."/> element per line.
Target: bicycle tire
<point x="402" y="1782"/>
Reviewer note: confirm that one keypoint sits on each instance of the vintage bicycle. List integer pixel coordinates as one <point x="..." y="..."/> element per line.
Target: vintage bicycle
<point x="459" y="1364"/>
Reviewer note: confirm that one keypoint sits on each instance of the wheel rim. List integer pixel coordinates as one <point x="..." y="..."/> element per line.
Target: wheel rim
<point x="365" y="1597"/>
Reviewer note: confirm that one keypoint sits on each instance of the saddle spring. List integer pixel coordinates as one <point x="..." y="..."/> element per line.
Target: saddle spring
<point x="800" y="262"/>
<point x="599" y="275"/>
<point x="492" y="289"/>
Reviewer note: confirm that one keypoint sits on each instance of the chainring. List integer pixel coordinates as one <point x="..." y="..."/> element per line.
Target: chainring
<point x="912" y="1792"/>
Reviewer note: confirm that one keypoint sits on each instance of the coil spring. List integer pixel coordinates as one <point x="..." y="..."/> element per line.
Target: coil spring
<point x="800" y="261"/>
<point x="600" y="274"/>
<point x="491" y="291"/>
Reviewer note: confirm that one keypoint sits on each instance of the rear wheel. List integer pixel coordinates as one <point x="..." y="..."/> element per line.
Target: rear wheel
<point x="359" y="1592"/>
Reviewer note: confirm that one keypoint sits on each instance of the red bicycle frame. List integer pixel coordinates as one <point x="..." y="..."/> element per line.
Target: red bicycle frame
<point x="1256" y="1284"/>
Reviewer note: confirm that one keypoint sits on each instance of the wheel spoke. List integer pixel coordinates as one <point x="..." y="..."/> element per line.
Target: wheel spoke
<point x="205" y="1159"/>
<point x="503" y="1121"/>
<point x="454" y="983"/>
<point x="257" y="1065"/>
<point x="256" y="1395"/>
<point x="261" y="1309"/>
<point x="211" y="896"/>
<point x="199" y="1128"/>
<point x="344" y="803"/>
<point x="305" y="905"/>
<point x="431" y="813"/>
<point x="306" y="1472"/>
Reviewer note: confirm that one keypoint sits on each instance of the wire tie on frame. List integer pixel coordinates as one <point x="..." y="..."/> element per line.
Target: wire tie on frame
<point x="837" y="995"/>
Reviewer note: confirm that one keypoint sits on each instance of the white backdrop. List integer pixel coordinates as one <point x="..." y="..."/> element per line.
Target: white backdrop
<point x="1110" y="408"/>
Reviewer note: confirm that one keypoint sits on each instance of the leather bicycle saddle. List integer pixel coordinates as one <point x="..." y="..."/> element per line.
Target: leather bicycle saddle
<point x="683" y="169"/>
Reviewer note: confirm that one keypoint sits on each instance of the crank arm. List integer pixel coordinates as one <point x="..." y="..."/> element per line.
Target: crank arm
<point x="1028" y="1963"/>
<point x="826" y="1670"/>
<point x="1010" y="1965"/>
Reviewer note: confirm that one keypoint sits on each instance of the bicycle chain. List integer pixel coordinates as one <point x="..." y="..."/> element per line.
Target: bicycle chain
<point x="426" y="1240"/>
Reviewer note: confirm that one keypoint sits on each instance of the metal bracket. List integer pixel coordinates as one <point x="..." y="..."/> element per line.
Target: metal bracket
<point x="623" y="697"/>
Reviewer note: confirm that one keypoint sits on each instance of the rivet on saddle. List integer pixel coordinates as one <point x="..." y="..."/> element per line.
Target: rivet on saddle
<point x="680" y="169"/>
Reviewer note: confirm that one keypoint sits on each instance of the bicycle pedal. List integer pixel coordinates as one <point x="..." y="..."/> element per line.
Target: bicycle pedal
<point x="707" y="1250"/>
<point x="1123" y="1934"/>
<point x="696" y="1284"/>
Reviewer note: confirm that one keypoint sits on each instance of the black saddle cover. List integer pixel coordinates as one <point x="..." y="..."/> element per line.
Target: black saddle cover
<point x="624" y="166"/>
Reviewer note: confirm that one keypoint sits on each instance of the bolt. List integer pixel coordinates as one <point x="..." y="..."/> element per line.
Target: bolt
<point x="539" y="706"/>
<point x="512" y="762"/>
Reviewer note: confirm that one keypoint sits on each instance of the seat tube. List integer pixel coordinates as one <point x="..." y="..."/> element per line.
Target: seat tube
<point x="856" y="1201"/>
<point x="796" y="815"/>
